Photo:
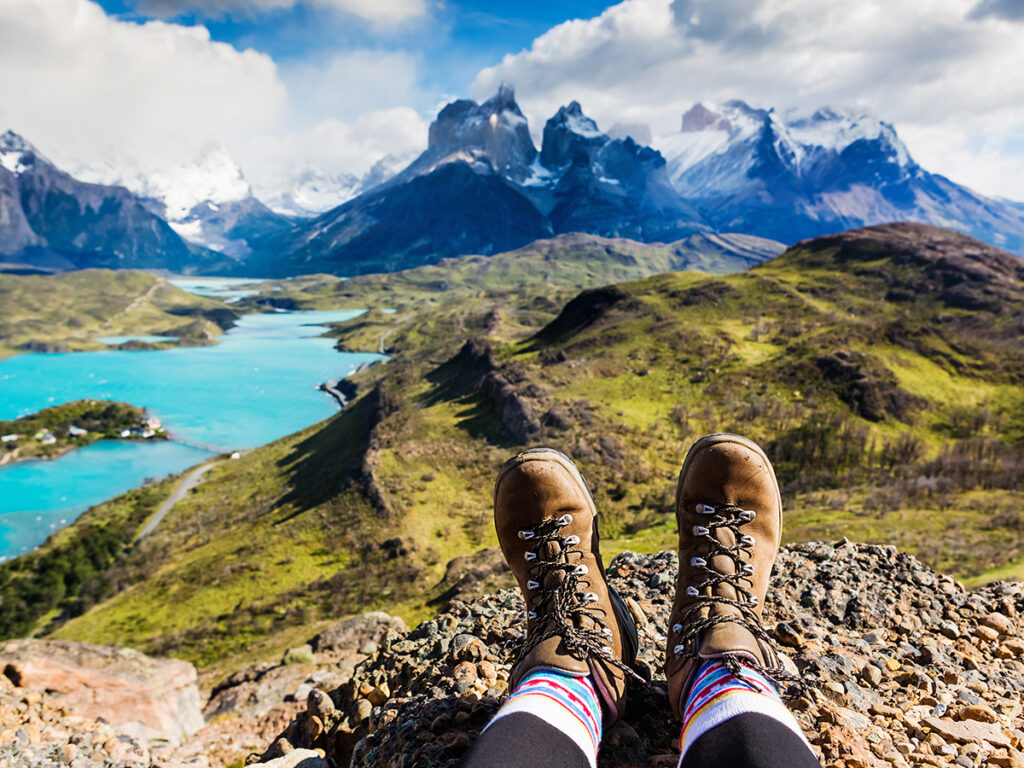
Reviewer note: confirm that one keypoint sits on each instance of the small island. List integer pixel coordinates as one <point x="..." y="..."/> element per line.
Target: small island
<point x="61" y="428"/>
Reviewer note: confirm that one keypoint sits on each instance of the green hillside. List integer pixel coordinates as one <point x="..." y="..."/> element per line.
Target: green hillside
<point x="881" y="368"/>
<point x="68" y="311"/>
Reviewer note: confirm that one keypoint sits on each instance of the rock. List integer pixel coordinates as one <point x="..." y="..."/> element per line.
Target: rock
<point x="299" y="758"/>
<point x="302" y="654"/>
<point x="968" y="731"/>
<point x="159" y="698"/>
<point x="999" y="622"/>
<point x="871" y="675"/>
<point x="357" y="633"/>
<point x="979" y="712"/>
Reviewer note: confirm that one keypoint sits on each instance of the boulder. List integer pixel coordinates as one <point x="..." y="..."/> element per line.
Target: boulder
<point x="157" y="699"/>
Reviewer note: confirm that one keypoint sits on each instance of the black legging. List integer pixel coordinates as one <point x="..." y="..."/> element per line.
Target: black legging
<point x="750" y="740"/>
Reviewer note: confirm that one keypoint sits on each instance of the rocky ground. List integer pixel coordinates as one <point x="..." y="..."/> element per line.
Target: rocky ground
<point x="902" y="667"/>
<point x="85" y="706"/>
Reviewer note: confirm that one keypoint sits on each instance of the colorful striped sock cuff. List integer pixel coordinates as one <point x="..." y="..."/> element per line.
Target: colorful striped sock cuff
<point x="565" y="702"/>
<point x="718" y="695"/>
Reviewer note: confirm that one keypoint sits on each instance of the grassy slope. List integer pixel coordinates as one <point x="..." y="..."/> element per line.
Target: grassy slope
<point x="68" y="311"/>
<point x="300" y="529"/>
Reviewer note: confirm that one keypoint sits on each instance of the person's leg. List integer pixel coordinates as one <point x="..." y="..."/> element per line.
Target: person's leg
<point x="570" y="673"/>
<point x="739" y="720"/>
<point x="549" y="719"/>
<point x="722" y="667"/>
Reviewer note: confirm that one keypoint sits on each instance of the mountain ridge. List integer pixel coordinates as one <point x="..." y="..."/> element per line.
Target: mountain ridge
<point x="50" y="219"/>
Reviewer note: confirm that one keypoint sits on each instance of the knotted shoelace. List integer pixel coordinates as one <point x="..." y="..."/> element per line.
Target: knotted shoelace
<point x="691" y="626"/>
<point x="558" y="608"/>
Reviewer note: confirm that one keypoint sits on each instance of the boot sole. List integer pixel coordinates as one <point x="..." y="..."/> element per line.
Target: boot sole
<point x="630" y="635"/>
<point x="726" y="437"/>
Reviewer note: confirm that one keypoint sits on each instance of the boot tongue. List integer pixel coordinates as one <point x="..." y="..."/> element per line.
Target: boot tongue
<point x="730" y="637"/>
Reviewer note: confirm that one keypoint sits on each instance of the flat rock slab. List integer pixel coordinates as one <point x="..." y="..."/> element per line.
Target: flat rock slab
<point x="968" y="731"/>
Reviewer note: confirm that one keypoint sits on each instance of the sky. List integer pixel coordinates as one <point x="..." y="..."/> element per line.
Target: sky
<point x="285" y="86"/>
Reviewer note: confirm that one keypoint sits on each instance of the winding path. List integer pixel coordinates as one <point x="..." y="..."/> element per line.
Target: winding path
<point x="186" y="485"/>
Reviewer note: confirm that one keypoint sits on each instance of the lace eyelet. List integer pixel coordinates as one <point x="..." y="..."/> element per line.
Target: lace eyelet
<point x="581" y="570"/>
<point x="590" y="597"/>
<point x="678" y="649"/>
<point x="753" y="600"/>
<point x="530" y="556"/>
<point x="747" y="540"/>
<point x="526" y="534"/>
<point x="531" y="614"/>
<point x="748" y="569"/>
<point x="692" y="591"/>
<point x="572" y="540"/>
<point x="677" y="627"/>
<point x="747" y="515"/>
<point x="531" y="584"/>
<point x="698" y="562"/>
<point x="564" y="520"/>
<point x="700" y="530"/>
<point x="705" y="509"/>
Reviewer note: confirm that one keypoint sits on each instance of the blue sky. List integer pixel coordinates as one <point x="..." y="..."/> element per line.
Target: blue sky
<point x="454" y="41"/>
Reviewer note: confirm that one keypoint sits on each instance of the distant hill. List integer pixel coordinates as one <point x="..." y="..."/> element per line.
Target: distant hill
<point x="64" y="312"/>
<point x="882" y="369"/>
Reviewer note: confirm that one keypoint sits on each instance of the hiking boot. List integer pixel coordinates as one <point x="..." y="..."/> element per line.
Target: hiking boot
<point x="575" y="623"/>
<point x="729" y="513"/>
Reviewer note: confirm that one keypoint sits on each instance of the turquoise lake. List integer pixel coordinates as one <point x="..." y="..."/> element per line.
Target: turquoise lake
<point x="256" y="385"/>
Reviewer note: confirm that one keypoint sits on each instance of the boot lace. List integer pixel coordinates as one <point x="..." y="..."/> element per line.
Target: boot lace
<point x="691" y="625"/>
<point x="560" y="607"/>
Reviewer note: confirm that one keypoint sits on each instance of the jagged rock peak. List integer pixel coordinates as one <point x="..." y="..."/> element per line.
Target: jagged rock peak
<point x="493" y="136"/>
<point x="566" y="134"/>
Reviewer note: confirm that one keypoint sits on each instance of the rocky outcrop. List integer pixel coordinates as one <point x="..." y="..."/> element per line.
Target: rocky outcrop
<point x="901" y="667"/>
<point x="156" y="699"/>
<point x="518" y="401"/>
<point x="38" y="730"/>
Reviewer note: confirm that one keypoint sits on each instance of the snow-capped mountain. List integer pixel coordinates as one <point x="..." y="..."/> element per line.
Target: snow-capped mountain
<point x="481" y="186"/>
<point x="206" y="198"/>
<point x="311" y="191"/>
<point x="50" y="219"/>
<point x="755" y="171"/>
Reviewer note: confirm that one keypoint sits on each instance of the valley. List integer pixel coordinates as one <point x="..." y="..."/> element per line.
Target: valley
<point x="881" y="369"/>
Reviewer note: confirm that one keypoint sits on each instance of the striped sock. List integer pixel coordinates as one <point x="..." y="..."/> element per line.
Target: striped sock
<point x="718" y="695"/>
<point x="564" y="702"/>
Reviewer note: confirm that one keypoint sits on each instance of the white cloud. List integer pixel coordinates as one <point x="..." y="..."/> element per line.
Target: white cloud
<point x="332" y="146"/>
<point x="353" y="83"/>
<point x="76" y="82"/>
<point x="946" y="73"/>
<point x="379" y="12"/>
<point x="93" y="91"/>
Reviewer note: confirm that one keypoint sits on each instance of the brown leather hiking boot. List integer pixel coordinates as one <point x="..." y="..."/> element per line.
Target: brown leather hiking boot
<point x="729" y="513"/>
<point x="575" y="623"/>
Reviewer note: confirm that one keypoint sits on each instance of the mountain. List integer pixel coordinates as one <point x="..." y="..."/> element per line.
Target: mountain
<point x="751" y="170"/>
<point x="310" y="192"/>
<point x="605" y="186"/>
<point x="479" y="168"/>
<point x="50" y="219"/>
<point x="205" y="198"/>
